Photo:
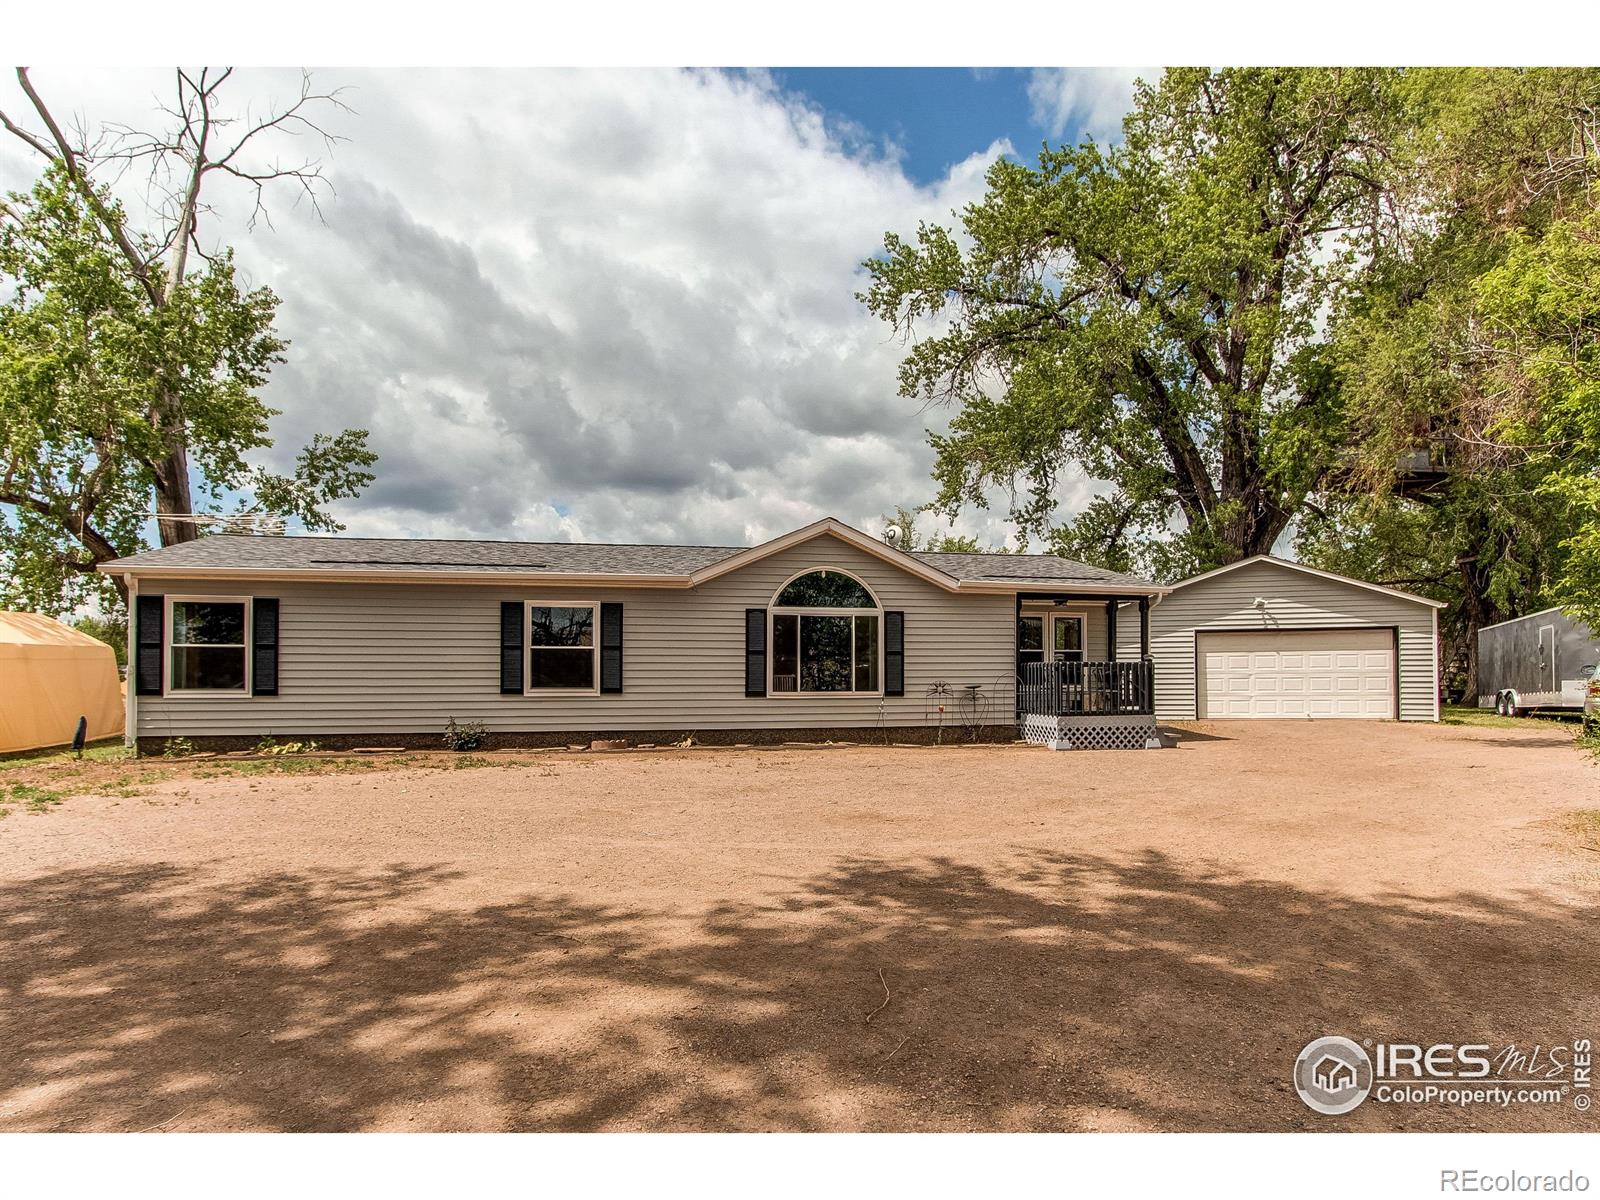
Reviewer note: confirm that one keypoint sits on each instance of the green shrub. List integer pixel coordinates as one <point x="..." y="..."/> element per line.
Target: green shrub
<point x="179" y="747"/>
<point x="271" y="745"/>
<point x="465" y="735"/>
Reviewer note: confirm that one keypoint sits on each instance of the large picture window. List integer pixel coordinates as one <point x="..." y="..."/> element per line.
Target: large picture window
<point x="208" y="640"/>
<point x="826" y="636"/>
<point x="562" y="647"/>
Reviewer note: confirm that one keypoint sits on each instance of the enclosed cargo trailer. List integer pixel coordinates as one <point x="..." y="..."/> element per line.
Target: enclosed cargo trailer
<point x="1542" y="660"/>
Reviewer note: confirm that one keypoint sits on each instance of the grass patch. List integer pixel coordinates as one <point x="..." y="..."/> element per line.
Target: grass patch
<point x="1487" y="718"/>
<point x="35" y="799"/>
<point x="118" y="791"/>
<point x="213" y="769"/>
<point x="110" y="750"/>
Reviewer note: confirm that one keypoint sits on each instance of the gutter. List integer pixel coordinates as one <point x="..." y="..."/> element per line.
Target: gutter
<point x="310" y="575"/>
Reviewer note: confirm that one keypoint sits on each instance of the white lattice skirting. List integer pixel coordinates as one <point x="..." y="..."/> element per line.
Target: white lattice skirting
<point x="1092" y="733"/>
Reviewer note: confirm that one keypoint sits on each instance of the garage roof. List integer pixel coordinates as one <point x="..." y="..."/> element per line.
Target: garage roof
<point x="1294" y="566"/>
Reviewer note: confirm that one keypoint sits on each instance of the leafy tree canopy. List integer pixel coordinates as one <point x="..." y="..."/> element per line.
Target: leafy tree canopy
<point x="1150" y="315"/>
<point x="90" y="375"/>
<point x="1466" y="362"/>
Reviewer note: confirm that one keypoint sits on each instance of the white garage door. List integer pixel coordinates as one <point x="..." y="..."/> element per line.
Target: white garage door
<point x="1331" y="673"/>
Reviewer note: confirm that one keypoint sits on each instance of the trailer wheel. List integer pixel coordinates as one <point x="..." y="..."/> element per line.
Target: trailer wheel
<point x="1499" y="704"/>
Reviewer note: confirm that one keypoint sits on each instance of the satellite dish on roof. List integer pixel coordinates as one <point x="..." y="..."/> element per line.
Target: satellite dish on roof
<point x="891" y="535"/>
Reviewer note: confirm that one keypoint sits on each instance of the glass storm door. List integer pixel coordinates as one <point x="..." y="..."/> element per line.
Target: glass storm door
<point x="1066" y="639"/>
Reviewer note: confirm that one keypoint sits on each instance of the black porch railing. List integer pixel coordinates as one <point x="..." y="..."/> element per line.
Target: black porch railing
<point x="1055" y="689"/>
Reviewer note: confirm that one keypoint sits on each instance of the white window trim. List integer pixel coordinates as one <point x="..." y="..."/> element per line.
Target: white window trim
<point x="774" y="609"/>
<point x="168" y="646"/>
<point x="528" y="648"/>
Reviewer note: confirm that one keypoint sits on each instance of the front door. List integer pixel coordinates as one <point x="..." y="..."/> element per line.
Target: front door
<point x="1066" y="638"/>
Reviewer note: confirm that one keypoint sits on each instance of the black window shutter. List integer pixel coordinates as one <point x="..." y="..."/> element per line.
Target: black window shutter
<point x="264" y="647"/>
<point x="149" y="634"/>
<point x="894" y="654"/>
<point x="755" y="652"/>
<point x="611" y="647"/>
<point x="511" y="646"/>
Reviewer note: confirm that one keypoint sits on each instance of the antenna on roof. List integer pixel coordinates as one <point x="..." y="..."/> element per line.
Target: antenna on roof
<point x="891" y="535"/>
<point x="240" y="524"/>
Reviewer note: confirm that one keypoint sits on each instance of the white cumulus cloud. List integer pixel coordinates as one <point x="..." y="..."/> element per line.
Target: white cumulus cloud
<point x="1071" y="102"/>
<point x="601" y="305"/>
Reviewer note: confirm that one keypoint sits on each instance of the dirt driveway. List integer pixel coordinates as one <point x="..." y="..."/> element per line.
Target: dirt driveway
<point x="986" y="938"/>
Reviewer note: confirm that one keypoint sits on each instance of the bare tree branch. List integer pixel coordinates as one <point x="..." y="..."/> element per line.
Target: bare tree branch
<point x="64" y="154"/>
<point x="199" y="137"/>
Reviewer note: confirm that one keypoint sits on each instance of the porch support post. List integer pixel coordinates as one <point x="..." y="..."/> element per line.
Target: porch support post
<point x="1144" y="626"/>
<point x="1111" y="630"/>
<point x="1016" y="661"/>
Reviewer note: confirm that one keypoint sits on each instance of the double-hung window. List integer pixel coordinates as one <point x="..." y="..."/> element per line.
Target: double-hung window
<point x="562" y="647"/>
<point x="826" y="636"/>
<point x="208" y="642"/>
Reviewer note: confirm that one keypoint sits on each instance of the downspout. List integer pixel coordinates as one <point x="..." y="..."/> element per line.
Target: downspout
<point x="130" y="703"/>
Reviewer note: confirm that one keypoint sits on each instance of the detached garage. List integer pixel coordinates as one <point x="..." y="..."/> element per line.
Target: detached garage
<point x="1265" y="638"/>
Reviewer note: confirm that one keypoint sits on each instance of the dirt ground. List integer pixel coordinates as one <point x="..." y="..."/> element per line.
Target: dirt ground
<point x="987" y="938"/>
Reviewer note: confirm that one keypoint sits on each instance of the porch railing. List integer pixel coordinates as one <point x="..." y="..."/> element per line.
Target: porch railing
<point x="1055" y="689"/>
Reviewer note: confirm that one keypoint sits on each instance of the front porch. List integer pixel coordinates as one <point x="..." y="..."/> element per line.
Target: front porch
<point x="1088" y="705"/>
<point x="1068" y="701"/>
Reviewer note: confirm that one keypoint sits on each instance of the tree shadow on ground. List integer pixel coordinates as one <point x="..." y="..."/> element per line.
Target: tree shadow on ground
<point x="1060" y="992"/>
<point x="1534" y="739"/>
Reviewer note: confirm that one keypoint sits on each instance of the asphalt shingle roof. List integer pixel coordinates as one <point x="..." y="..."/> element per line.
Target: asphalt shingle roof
<point x="333" y="554"/>
<point x="416" y="554"/>
<point x="1030" y="568"/>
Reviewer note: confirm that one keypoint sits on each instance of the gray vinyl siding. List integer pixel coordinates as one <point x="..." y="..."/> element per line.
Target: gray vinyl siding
<point x="403" y="658"/>
<point x="1295" y="600"/>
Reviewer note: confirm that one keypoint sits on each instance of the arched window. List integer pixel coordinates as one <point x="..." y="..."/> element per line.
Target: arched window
<point x="826" y="635"/>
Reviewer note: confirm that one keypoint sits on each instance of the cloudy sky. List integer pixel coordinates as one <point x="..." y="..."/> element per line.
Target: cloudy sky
<point x="597" y="305"/>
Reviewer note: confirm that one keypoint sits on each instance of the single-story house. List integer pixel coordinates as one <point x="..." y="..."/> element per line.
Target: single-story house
<point x="824" y="632"/>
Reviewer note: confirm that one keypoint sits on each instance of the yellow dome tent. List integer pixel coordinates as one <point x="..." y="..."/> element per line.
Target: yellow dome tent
<point x="50" y="675"/>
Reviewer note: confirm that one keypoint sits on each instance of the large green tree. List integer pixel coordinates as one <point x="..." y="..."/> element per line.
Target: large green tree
<point x="1466" y="360"/>
<point x="131" y="356"/>
<point x="1150" y="315"/>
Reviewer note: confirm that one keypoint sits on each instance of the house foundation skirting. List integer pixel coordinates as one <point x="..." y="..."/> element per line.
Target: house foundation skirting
<point x="1121" y="732"/>
<point x="921" y="735"/>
